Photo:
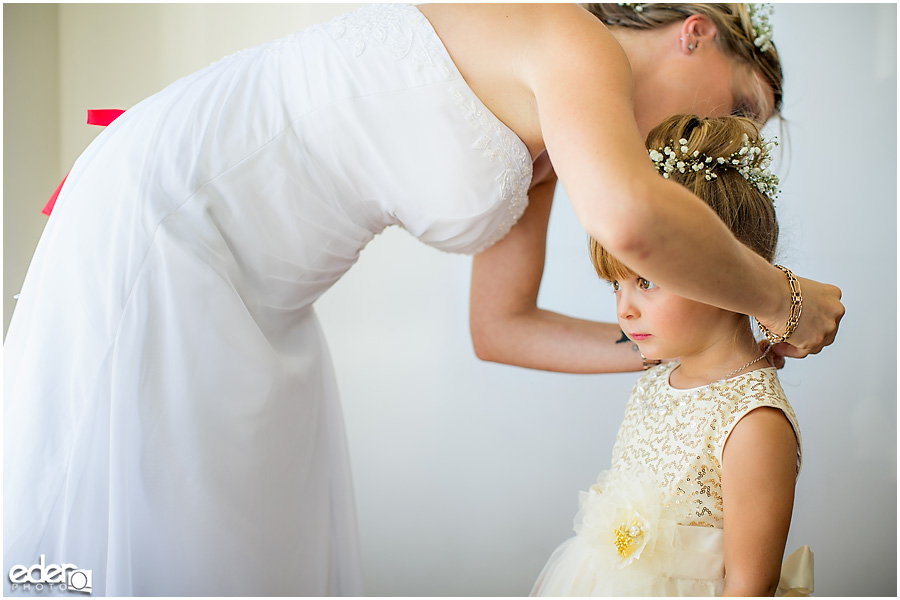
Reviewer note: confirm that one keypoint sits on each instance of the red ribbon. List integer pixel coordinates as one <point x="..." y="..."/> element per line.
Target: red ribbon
<point x="101" y="117"/>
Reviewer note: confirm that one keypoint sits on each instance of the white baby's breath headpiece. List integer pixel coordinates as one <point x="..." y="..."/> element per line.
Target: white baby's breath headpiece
<point x="759" y="21"/>
<point x="751" y="160"/>
<point x="762" y="28"/>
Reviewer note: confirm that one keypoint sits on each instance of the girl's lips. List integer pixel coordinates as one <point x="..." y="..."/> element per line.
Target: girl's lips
<point x="639" y="336"/>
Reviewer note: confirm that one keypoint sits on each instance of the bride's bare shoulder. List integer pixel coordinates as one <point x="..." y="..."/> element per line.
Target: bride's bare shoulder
<point x="506" y="52"/>
<point x="512" y="33"/>
<point x="508" y="19"/>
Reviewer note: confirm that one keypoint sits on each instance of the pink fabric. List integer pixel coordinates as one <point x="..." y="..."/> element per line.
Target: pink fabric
<point x="101" y="117"/>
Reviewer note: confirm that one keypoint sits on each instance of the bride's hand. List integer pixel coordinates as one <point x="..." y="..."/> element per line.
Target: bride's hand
<point x="819" y="319"/>
<point x="773" y="357"/>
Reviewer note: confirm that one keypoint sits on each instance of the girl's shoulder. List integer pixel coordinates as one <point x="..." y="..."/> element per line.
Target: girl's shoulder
<point x="741" y="394"/>
<point x="737" y="397"/>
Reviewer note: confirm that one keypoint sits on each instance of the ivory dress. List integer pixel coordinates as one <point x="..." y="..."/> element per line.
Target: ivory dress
<point x="653" y="524"/>
<point x="171" y="417"/>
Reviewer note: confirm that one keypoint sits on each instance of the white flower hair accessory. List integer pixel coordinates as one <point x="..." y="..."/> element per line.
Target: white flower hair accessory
<point x="633" y="6"/>
<point x="762" y="28"/>
<point x="751" y="160"/>
<point x="759" y="21"/>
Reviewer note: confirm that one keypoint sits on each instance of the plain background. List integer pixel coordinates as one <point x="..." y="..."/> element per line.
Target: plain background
<point x="467" y="472"/>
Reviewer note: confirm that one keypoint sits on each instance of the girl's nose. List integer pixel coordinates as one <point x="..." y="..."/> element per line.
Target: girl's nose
<point x="625" y="306"/>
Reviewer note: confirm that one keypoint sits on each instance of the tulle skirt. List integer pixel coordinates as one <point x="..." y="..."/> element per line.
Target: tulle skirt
<point x="629" y="543"/>
<point x="695" y="566"/>
<point x="698" y="570"/>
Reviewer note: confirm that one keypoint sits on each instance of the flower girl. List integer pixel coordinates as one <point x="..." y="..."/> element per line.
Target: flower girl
<point x="699" y="496"/>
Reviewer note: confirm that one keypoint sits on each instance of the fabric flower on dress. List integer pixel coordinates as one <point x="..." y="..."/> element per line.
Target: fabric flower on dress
<point x="624" y="520"/>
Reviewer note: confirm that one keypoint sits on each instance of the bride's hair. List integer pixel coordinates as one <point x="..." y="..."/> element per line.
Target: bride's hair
<point x="747" y="211"/>
<point x="736" y="33"/>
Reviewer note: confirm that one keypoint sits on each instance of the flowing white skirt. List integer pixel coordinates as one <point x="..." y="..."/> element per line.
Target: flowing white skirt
<point x="164" y="427"/>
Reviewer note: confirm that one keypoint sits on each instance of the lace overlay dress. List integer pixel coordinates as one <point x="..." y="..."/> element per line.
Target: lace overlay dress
<point x="171" y="419"/>
<point x="653" y="524"/>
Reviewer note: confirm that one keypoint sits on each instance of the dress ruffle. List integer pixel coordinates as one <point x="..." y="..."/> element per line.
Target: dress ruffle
<point x="630" y="543"/>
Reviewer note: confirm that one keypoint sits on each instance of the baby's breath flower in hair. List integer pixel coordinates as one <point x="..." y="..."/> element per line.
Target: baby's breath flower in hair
<point x="752" y="160"/>
<point x="762" y="28"/>
<point x="759" y="13"/>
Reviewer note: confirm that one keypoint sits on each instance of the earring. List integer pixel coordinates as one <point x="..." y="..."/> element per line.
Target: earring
<point x="691" y="47"/>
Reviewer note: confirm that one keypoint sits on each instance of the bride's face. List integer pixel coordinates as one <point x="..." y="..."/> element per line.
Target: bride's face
<point x="705" y="83"/>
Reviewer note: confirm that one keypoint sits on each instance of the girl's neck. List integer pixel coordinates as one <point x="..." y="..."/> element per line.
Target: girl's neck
<point x="723" y="358"/>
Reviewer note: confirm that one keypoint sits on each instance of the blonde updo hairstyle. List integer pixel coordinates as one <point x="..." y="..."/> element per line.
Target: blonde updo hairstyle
<point x="748" y="212"/>
<point x="734" y="33"/>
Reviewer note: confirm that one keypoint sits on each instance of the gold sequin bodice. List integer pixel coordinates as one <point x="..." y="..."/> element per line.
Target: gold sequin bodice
<point x="680" y="434"/>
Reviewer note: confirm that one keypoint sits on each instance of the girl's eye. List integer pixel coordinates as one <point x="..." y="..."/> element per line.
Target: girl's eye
<point x="645" y="285"/>
<point x="615" y="285"/>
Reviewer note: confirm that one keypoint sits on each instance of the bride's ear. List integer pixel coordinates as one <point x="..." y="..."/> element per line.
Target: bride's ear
<point x="695" y="31"/>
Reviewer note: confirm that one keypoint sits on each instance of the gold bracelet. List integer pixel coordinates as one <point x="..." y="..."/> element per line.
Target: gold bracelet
<point x="796" y="308"/>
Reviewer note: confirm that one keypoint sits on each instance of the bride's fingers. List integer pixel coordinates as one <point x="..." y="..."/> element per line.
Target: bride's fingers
<point x="776" y="354"/>
<point x="819" y="320"/>
<point x="774" y="359"/>
<point x="787" y="350"/>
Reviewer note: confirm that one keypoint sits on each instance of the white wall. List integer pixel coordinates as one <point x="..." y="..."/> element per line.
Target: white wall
<point x="466" y="472"/>
<point x="30" y="134"/>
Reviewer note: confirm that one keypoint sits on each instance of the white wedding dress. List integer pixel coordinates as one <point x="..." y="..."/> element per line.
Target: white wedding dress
<point x="171" y="418"/>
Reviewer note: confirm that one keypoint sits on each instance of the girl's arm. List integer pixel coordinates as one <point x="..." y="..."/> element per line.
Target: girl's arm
<point x="759" y="469"/>
<point x="506" y="324"/>
<point x="582" y="85"/>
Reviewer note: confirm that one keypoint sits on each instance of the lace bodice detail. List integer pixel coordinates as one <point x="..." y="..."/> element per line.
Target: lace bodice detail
<point x="404" y="33"/>
<point x="461" y="176"/>
<point x="680" y="434"/>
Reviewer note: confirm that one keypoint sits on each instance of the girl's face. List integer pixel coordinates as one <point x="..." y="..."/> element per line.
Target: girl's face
<point x="665" y="325"/>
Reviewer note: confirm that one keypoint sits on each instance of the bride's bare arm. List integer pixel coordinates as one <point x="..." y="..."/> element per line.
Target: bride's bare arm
<point x="581" y="80"/>
<point x="508" y="327"/>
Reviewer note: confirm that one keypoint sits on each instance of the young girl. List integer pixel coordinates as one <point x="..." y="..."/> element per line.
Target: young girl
<point x="706" y="440"/>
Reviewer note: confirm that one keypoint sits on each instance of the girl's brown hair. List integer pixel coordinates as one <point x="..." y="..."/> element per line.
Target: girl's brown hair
<point x="748" y="212"/>
<point x="734" y="33"/>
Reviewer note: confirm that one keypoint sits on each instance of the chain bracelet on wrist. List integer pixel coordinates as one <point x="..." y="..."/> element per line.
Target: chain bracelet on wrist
<point x="796" y="308"/>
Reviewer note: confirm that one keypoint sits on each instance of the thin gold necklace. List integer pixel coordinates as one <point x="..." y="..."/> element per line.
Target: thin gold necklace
<point x="755" y="360"/>
<point x="649" y="404"/>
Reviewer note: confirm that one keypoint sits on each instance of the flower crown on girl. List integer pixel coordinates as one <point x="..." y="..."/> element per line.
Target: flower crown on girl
<point x="751" y="160"/>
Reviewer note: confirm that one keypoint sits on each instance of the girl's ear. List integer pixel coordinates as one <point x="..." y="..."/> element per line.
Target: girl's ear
<point x="696" y="30"/>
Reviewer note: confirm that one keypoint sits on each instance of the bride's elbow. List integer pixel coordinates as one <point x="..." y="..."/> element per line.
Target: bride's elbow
<point x="480" y="346"/>
<point x="482" y="340"/>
